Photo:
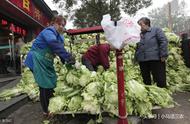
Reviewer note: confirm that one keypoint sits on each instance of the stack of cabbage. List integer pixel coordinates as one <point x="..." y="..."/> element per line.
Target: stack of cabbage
<point x="178" y="75"/>
<point x="79" y="90"/>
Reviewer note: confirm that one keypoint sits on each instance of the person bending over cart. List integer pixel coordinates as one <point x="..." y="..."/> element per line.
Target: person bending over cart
<point x="97" y="55"/>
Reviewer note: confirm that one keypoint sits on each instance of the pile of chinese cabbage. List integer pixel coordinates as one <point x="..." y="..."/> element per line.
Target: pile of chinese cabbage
<point x="79" y="90"/>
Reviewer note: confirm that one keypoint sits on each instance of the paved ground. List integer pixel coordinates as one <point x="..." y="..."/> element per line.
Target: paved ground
<point x="31" y="114"/>
<point x="177" y="115"/>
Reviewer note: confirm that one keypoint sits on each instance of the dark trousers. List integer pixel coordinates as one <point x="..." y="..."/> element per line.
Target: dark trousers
<point x="45" y="95"/>
<point x="88" y="64"/>
<point x="158" y="71"/>
<point x="18" y="65"/>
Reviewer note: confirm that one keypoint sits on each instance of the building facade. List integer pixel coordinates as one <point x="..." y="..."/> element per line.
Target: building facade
<point x="20" y="22"/>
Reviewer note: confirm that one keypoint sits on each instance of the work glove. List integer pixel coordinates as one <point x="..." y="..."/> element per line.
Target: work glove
<point x="77" y="65"/>
<point x="63" y="61"/>
<point x="70" y="63"/>
<point x="71" y="60"/>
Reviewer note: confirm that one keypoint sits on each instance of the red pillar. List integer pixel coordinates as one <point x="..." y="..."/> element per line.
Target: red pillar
<point x="121" y="88"/>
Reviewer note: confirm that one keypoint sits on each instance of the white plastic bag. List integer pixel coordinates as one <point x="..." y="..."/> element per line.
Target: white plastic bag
<point x="125" y="32"/>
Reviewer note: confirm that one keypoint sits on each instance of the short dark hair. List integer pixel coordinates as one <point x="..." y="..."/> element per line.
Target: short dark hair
<point x="145" y="20"/>
<point x="58" y="19"/>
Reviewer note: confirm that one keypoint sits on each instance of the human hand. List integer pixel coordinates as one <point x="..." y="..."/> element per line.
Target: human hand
<point x="163" y="59"/>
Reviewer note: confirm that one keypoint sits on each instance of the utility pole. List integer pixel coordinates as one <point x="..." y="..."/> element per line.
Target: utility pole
<point x="170" y="25"/>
